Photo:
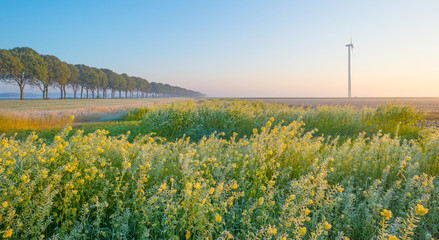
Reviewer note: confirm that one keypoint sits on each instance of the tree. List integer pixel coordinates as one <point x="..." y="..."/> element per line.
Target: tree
<point x="113" y="80"/>
<point x="73" y="80"/>
<point x="58" y="74"/>
<point x="93" y="80"/>
<point x="122" y="84"/>
<point x="131" y="85"/>
<point x="11" y="69"/>
<point x="127" y="84"/>
<point x="103" y="82"/>
<point x="83" y="75"/>
<point x="33" y="67"/>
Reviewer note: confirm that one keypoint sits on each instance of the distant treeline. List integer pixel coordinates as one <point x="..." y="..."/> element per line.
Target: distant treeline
<point x="24" y="66"/>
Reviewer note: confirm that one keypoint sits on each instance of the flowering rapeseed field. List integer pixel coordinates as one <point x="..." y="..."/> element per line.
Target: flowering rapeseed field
<point x="220" y="170"/>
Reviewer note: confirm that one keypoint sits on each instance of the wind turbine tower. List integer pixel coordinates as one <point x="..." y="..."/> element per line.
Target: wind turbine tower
<point x="350" y="48"/>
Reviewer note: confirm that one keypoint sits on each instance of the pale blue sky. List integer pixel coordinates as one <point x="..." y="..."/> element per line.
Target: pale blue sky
<point x="244" y="48"/>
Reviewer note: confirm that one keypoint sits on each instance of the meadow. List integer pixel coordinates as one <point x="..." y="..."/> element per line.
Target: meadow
<point x="225" y="169"/>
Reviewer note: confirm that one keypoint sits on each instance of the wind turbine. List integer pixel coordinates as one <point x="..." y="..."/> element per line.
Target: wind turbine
<point x="350" y="45"/>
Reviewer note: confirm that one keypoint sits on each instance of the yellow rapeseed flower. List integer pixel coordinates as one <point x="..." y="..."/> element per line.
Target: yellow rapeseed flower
<point x="5" y="204"/>
<point x="211" y="190"/>
<point x="197" y="186"/>
<point x="272" y="230"/>
<point x="387" y="214"/>
<point x="261" y="201"/>
<point x="327" y="225"/>
<point x="8" y="233"/>
<point x="421" y="210"/>
<point x="218" y="217"/>
<point x="188" y="234"/>
<point x="72" y="117"/>
<point x="392" y="237"/>
<point x="307" y="211"/>
<point x="302" y="231"/>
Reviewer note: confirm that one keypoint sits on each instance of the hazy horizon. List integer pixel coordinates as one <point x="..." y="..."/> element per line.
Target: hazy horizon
<point x="241" y="48"/>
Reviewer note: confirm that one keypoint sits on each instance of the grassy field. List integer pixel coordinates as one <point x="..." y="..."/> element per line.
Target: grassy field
<point x="69" y="104"/>
<point x="430" y="105"/>
<point x="224" y="170"/>
<point x="17" y="115"/>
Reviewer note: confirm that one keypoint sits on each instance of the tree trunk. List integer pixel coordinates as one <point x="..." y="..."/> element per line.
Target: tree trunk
<point x="21" y="92"/>
<point x="82" y="89"/>
<point x="87" y="93"/>
<point x="65" y="92"/>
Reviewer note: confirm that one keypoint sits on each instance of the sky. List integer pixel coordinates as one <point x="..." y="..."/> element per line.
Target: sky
<point x="245" y="48"/>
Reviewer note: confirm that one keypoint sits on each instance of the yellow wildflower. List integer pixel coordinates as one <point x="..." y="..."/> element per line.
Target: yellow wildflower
<point x="392" y="237"/>
<point x="306" y="211"/>
<point x="272" y="230"/>
<point x="8" y="233"/>
<point x="188" y="234"/>
<point x="72" y="117"/>
<point x="218" y="217"/>
<point x="421" y="210"/>
<point x="302" y="231"/>
<point x="387" y="214"/>
<point x="197" y="186"/>
<point x="261" y="201"/>
<point x="327" y="225"/>
<point x="5" y="204"/>
<point x="211" y="190"/>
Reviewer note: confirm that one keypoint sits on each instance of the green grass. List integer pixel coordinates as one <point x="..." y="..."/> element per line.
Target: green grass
<point x="196" y="120"/>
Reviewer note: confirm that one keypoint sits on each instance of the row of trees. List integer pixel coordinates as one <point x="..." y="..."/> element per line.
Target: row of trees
<point x="24" y="66"/>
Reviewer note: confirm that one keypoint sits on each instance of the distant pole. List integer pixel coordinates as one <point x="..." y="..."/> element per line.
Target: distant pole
<point x="349" y="67"/>
<point x="349" y="71"/>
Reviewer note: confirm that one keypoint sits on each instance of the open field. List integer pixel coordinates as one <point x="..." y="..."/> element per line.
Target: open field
<point x="429" y="105"/>
<point x="224" y="170"/>
<point x="44" y="114"/>
<point x="69" y="104"/>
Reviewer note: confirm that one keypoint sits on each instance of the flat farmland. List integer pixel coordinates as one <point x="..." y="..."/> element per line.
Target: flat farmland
<point x="429" y="105"/>
<point x="45" y="114"/>
<point x="58" y="104"/>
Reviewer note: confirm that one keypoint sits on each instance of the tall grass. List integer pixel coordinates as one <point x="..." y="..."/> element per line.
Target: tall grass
<point x="10" y="120"/>
<point x="199" y="119"/>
